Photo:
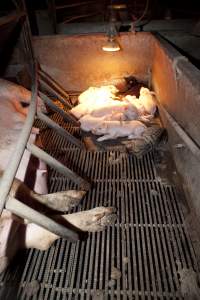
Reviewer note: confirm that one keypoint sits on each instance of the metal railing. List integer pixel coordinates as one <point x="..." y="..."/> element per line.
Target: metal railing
<point x="12" y="204"/>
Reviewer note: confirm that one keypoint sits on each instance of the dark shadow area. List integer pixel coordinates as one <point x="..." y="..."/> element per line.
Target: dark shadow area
<point x="9" y="37"/>
<point x="12" y="276"/>
<point x="192" y="59"/>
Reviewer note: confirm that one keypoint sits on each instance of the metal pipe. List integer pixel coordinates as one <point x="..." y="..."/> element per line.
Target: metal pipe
<point x="60" y="130"/>
<point x="53" y="91"/>
<point x="25" y="212"/>
<point x="11" y="169"/>
<point x="52" y="162"/>
<point x="75" y="4"/>
<point x="100" y="12"/>
<point x="55" y="85"/>
<point x="8" y="176"/>
<point x="66" y="116"/>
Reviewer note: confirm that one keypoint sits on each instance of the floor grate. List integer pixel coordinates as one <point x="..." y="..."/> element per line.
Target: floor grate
<point x="148" y="244"/>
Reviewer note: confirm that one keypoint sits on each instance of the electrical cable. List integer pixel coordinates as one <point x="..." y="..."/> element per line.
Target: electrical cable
<point x="134" y="24"/>
<point x="81" y="16"/>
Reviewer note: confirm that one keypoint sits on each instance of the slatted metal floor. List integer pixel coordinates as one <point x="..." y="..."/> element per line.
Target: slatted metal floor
<point x="148" y="244"/>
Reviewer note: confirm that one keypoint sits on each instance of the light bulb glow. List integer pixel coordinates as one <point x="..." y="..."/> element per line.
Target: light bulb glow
<point x="111" y="46"/>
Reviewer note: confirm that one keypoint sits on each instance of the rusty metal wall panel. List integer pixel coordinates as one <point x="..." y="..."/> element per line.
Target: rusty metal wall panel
<point x="179" y="92"/>
<point x="188" y="168"/>
<point x="78" y="62"/>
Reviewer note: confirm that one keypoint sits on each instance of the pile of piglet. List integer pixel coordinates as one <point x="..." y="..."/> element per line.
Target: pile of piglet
<point x="104" y="112"/>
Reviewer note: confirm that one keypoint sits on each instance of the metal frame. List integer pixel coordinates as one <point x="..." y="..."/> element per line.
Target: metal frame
<point x="48" y="159"/>
<point x="26" y="212"/>
<point x="61" y="94"/>
<point x="66" y="116"/>
<point x="13" y="204"/>
<point x="60" y="130"/>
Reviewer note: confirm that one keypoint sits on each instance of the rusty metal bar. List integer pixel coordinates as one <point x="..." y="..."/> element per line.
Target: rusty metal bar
<point x="60" y="130"/>
<point x="66" y="116"/>
<point x="25" y="212"/>
<point x="52" y="162"/>
<point x="57" y="87"/>
<point x="52" y="90"/>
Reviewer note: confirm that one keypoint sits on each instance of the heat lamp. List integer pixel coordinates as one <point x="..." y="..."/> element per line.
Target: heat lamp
<point x="111" y="44"/>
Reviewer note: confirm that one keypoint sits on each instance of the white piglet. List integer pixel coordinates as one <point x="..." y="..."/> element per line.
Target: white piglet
<point x="146" y="98"/>
<point x="98" y="95"/>
<point x="89" y="122"/>
<point x="114" y="129"/>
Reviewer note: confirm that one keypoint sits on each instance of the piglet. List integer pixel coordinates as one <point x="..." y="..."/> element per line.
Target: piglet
<point x="146" y="98"/>
<point x="97" y="95"/>
<point x="136" y="103"/>
<point x="80" y="110"/>
<point x="89" y="122"/>
<point x="114" y="129"/>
